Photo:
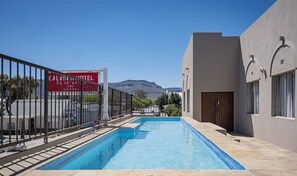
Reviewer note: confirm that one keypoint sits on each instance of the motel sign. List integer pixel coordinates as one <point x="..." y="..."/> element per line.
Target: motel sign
<point x="61" y="83"/>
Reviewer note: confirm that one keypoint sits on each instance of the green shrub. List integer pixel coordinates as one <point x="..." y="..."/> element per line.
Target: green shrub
<point x="176" y="112"/>
<point x="172" y="110"/>
<point x="91" y="99"/>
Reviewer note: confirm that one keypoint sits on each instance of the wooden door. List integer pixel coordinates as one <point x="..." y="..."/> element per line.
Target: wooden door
<point x="217" y="108"/>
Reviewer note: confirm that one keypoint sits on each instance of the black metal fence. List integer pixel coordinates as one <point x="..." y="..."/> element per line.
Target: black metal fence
<point x="119" y="103"/>
<point x="36" y="103"/>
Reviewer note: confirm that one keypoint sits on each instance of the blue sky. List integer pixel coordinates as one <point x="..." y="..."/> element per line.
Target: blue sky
<point x="135" y="39"/>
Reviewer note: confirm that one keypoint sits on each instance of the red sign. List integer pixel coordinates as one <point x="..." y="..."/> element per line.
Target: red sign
<point x="62" y="83"/>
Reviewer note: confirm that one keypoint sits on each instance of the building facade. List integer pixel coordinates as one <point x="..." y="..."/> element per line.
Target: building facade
<point x="247" y="83"/>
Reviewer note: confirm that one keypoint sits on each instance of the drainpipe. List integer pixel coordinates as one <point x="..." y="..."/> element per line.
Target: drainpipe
<point x="105" y="117"/>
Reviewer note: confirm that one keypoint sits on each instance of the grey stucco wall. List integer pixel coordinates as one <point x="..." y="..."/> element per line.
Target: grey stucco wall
<point x="212" y="61"/>
<point x="187" y="71"/>
<point x="215" y="67"/>
<point x="262" y="39"/>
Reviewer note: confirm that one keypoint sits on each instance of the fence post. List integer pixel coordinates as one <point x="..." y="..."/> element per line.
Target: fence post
<point x="81" y="103"/>
<point x="45" y="106"/>
<point x="2" y="105"/>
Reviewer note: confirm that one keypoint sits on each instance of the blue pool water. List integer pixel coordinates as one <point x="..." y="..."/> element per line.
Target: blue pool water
<point x="157" y="143"/>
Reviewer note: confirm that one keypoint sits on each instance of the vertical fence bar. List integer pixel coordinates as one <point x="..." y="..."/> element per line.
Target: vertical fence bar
<point x="55" y="108"/>
<point x="17" y="104"/>
<point x="100" y="103"/>
<point x="35" y="117"/>
<point x="40" y="101"/>
<point x="111" y="104"/>
<point x="68" y="108"/>
<point x="76" y="102"/>
<point x="126" y="103"/>
<point x="9" y="99"/>
<point x="24" y="102"/>
<point x="81" y="103"/>
<point x="59" y="110"/>
<point x="70" y="102"/>
<point x="51" y="103"/>
<point x="120" y="112"/>
<point x="86" y="117"/>
<point x="62" y="110"/>
<point x="45" y="106"/>
<point x="131" y="99"/>
<point x="29" y="122"/>
<point x="2" y="97"/>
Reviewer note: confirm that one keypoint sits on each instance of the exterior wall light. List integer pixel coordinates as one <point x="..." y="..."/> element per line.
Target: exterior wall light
<point x="252" y="57"/>
<point x="282" y="38"/>
<point x="263" y="71"/>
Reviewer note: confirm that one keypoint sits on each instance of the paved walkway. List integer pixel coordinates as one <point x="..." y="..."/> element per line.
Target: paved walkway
<point x="258" y="157"/>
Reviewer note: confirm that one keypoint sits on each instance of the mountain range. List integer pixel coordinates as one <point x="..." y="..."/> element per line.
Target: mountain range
<point x="152" y="89"/>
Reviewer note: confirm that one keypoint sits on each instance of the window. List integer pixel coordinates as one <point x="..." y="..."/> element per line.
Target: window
<point x="253" y="98"/>
<point x="188" y="100"/>
<point x="184" y="101"/>
<point x="283" y="94"/>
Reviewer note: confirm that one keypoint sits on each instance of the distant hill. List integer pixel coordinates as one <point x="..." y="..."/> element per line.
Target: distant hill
<point x="174" y="89"/>
<point x="152" y="89"/>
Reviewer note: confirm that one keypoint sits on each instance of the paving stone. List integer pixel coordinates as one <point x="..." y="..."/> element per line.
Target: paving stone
<point x="5" y="171"/>
<point x="7" y="164"/>
<point x="15" y="167"/>
<point x="39" y="158"/>
<point x="32" y="160"/>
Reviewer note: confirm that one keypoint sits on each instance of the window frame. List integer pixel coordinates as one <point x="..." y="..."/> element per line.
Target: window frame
<point x="184" y="101"/>
<point x="250" y="103"/>
<point x="275" y="91"/>
<point x="188" y="100"/>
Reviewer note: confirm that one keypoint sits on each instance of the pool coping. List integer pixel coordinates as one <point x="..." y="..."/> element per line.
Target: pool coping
<point x="266" y="159"/>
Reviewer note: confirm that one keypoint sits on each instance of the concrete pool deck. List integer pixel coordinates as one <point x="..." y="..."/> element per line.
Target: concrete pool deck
<point x="258" y="157"/>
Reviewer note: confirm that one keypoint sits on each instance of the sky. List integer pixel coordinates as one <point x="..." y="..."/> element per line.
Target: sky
<point x="134" y="39"/>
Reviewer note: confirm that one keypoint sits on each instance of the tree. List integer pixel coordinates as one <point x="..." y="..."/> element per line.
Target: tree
<point x="140" y="94"/>
<point x="141" y="102"/>
<point x="172" y="110"/>
<point x="140" y="99"/>
<point x="174" y="98"/>
<point x="171" y="105"/>
<point x="169" y="109"/>
<point x="176" y="112"/>
<point x="161" y="101"/>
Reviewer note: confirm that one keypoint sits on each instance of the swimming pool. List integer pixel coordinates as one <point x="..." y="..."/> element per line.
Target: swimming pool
<point x="156" y="143"/>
